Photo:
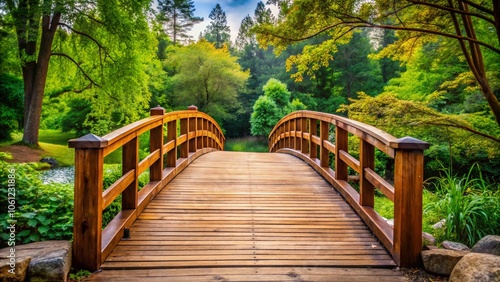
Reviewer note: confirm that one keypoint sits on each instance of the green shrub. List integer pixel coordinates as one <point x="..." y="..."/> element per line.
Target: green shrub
<point x="470" y="207"/>
<point x="11" y="105"/>
<point x="42" y="211"/>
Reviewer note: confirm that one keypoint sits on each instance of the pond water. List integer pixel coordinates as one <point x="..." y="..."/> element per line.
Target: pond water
<point x="63" y="175"/>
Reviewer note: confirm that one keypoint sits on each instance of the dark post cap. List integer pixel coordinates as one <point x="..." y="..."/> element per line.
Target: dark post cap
<point x="157" y="111"/>
<point x="192" y="108"/>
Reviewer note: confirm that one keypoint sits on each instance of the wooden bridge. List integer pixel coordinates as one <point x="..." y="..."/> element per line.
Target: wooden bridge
<point x="247" y="216"/>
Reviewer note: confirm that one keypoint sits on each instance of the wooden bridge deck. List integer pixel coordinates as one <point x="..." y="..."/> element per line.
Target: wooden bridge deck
<point x="248" y="217"/>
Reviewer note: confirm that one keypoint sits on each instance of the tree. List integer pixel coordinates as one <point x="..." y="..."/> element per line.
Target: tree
<point x="178" y="16"/>
<point x="218" y="32"/>
<point x="272" y="106"/>
<point x="474" y="26"/>
<point x="353" y="70"/>
<point x="207" y="77"/>
<point x="36" y="25"/>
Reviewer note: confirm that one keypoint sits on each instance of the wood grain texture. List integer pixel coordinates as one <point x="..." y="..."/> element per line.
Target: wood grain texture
<point x="248" y="217"/>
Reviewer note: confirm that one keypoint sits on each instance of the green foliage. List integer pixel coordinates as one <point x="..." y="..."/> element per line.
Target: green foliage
<point x="42" y="211"/>
<point x="80" y="275"/>
<point x="454" y="138"/>
<point x="207" y="77"/>
<point x="470" y="207"/>
<point x="278" y="92"/>
<point x="11" y="105"/>
<point x="74" y="119"/>
<point x="271" y="107"/>
<point x="265" y="116"/>
<point x="247" y="144"/>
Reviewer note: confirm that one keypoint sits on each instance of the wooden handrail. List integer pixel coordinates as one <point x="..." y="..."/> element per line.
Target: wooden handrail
<point x="297" y="134"/>
<point x="199" y="134"/>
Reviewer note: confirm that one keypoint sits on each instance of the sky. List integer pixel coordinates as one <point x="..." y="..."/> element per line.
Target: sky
<point x="235" y="12"/>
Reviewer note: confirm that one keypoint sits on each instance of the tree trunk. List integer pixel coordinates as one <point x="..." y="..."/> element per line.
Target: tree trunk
<point x="35" y="76"/>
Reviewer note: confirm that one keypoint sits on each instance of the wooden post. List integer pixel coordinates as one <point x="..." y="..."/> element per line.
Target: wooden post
<point x="130" y="161"/>
<point x="172" y="136"/>
<point x="366" y="160"/>
<point x="324" y="156"/>
<point x="313" y="131"/>
<point x="87" y="223"/>
<point x="155" y="143"/>
<point x="305" y="142"/>
<point x="192" y="128"/>
<point x="341" y="144"/>
<point x="185" y="131"/>
<point x="408" y="185"/>
<point x="199" y="129"/>
<point x="298" y="139"/>
<point x="292" y="134"/>
<point x="288" y="131"/>
<point x="205" y="133"/>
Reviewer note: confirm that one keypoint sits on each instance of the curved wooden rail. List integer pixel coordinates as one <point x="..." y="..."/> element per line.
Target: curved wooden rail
<point x="190" y="132"/>
<point x="308" y="134"/>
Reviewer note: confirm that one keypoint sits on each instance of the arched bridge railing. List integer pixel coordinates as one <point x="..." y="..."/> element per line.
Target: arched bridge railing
<point x="312" y="136"/>
<point x="191" y="133"/>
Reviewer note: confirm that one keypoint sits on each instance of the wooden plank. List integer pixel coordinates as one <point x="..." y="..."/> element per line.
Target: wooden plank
<point x="251" y="211"/>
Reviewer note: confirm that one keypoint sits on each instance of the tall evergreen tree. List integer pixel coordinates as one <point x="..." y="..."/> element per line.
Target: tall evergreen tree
<point x="178" y="18"/>
<point x="218" y="30"/>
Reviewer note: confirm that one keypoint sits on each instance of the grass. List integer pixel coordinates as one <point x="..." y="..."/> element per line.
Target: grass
<point x="247" y="144"/>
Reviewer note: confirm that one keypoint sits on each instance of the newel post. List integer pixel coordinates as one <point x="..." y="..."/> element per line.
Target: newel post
<point x="87" y="224"/>
<point x="156" y="143"/>
<point x="408" y="185"/>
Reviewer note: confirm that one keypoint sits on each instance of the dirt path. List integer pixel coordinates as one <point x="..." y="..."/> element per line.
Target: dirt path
<point x="23" y="154"/>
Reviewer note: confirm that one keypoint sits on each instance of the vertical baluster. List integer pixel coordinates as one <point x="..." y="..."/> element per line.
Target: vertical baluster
<point x="408" y="186"/>
<point x="341" y="144"/>
<point x="156" y="143"/>
<point x="172" y="136"/>
<point x="324" y="156"/>
<point x="305" y="142"/>
<point x="130" y="161"/>
<point x="184" y="131"/>
<point x="366" y="160"/>
<point x="192" y="128"/>
<point x="199" y="133"/>
<point x="205" y="133"/>
<point x="298" y="133"/>
<point x="313" y="131"/>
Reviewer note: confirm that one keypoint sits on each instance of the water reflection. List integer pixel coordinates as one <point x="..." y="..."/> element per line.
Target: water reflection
<point x="63" y="175"/>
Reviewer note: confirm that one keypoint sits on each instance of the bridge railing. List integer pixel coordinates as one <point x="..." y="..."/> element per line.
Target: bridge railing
<point x="307" y="135"/>
<point x="191" y="133"/>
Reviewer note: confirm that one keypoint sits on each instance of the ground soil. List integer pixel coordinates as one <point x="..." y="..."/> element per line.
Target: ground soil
<point x="419" y="275"/>
<point x="23" y="154"/>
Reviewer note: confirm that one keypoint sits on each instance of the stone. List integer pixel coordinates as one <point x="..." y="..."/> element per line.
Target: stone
<point x="429" y="247"/>
<point x="439" y="224"/>
<point x="51" y="161"/>
<point x="15" y="269"/>
<point x="428" y="239"/>
<point x="477" y="267"/>
<point x="488" y="245"/>
<point x="50" y="260"/>
<point x="441" y="261"/>
<point x="455" y="246"/>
